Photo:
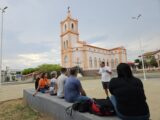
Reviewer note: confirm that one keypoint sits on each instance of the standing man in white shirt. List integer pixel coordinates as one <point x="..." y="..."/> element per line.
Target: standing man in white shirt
<point x="105" y="72"/>
<point x="61" y="82"/>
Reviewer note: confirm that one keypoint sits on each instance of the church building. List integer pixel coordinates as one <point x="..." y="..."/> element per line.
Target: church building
<point x="75" y="52"/>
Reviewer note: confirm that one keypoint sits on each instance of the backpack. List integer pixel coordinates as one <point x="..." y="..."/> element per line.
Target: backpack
<point x="102" y="107"/>
<point x="81" y="106"/>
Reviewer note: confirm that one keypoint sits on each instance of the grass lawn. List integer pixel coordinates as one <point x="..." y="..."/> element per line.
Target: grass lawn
<point x="16" y="110"/>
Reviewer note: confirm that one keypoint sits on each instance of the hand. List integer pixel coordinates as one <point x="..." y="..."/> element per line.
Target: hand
<point x="34" y="94"/>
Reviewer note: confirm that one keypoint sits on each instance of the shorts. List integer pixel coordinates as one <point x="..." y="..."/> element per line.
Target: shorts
<point x="105" y="85"/>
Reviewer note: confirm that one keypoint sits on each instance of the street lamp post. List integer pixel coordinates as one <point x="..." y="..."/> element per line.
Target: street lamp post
<point x="144" y="74"/>
<point x="2" y="12"/>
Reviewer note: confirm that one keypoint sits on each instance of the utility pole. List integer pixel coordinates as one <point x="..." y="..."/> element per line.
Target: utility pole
<point x="2" y="12"/>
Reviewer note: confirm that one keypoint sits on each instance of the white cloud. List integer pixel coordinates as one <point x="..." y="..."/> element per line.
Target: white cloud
<point x="22" y="61"/>
<point x="35" y="38"/>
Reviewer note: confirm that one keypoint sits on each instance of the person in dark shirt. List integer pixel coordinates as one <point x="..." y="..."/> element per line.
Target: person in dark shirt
<point x="37" y="78"/>
<point x="127" y="95"/>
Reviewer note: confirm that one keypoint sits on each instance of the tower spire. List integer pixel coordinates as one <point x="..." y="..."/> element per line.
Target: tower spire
<point x="69" y="12"/>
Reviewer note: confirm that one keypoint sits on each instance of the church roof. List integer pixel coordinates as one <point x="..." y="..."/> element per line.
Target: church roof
<point x="104" y="48"/>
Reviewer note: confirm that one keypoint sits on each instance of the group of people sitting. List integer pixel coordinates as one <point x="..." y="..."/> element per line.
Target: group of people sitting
<point x="69" y="88"/>
<point x="127" y="92"/>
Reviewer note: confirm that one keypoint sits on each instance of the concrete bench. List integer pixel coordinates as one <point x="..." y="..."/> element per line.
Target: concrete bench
<point x="56" y="108"/>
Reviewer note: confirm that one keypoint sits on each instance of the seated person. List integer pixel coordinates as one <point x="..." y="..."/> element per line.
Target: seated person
<point x="128" y="95"/>
<point x="73" y="90"/>
<point x="53" y="84"/>
<point x="60" y="83"/>
<point x="37" y="81"/>
<point x="43" y="85"/>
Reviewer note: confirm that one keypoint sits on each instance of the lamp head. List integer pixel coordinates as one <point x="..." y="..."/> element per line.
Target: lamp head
<point x="5" y="7"/>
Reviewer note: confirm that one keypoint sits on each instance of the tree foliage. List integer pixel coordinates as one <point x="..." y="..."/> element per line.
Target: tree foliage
<point x="42" y="68"/>
<point x="153" y="62"/>
<point x="28" y="71"/>
<point x="148" y="62"/>
<point x="49" y="67"/>
<point x="137" y="61"/>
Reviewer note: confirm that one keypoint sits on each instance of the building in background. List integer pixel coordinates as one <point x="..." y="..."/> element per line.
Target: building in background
<point x="10" y="75"/>
<point x="75" y="52"/>
<point x="152" y="57"/>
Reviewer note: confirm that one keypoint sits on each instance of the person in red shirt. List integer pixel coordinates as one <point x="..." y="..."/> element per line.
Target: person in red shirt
<point x="43" y="85"/>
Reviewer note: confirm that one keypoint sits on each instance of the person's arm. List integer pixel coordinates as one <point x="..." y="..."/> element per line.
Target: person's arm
<point x="109" y="71"/>
<point x="37" y="88"/>
<point x="140" y="84"/>
<point x="83" y="93"/>
<point x="111" y="86"/>
<point x="99" y="72"/>
<point x="48" y="82"/>
<point x="56" y="87"/>
<point x="36" y="91"/>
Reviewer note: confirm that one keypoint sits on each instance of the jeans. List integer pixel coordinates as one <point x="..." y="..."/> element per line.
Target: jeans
<point x="43" y="90"/>
<point x="82" y="98"/>
<point x="123" y="117"/>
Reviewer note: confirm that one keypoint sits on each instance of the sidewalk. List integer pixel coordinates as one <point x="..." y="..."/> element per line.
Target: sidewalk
<point x="8" y="92"/>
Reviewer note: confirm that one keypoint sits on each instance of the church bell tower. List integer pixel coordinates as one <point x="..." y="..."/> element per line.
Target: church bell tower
<point x="69" y="38"/>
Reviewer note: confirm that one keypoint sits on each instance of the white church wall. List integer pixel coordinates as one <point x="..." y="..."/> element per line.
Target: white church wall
<point x="73" y="39"/>
<point x="77" y="58"/>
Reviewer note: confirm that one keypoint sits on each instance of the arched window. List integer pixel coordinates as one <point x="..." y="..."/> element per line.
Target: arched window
<point x="107" y="62"/>
<point x="65" y="59"/>
<point x="90" y="62"/>
<point x="64" y="45"/>
<point x="103" y="60"/>
<point x="112" y="63"/>
<point x="65" y="27"/>
<point x="116" y="62"/>
<point x="67" y="44"/>
<point x="72" y="26"/>
<point x="95" y="62"/>
<point x="99" y="62"/>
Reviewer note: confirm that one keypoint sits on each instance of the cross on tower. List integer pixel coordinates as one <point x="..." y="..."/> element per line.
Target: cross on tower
<point x="68" y="8"/>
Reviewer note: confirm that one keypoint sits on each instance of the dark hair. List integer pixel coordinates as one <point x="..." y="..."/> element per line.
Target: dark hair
<point x="73" y="71"/>
<point x="103" y="63"/>
<point x="124" y="71"/>
<point x="43" y="75"/>
<point x="63" y="70"/>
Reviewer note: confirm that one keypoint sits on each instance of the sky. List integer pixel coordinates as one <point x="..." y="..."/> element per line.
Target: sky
<point x="32" y="28"/>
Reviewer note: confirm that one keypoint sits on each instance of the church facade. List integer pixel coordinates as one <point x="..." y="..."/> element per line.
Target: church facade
<point x="75" y="52"/>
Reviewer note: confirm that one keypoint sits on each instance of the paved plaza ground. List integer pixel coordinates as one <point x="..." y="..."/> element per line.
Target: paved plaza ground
<point x="94" y="90"/>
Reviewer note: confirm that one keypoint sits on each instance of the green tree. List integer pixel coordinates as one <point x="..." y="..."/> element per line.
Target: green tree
<point x="137" y="61"/>
<point x="28" y="71"/>
<point x="42" y="68"/>
<point x="153" y="62"/>
<point x="49" y="67"/>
